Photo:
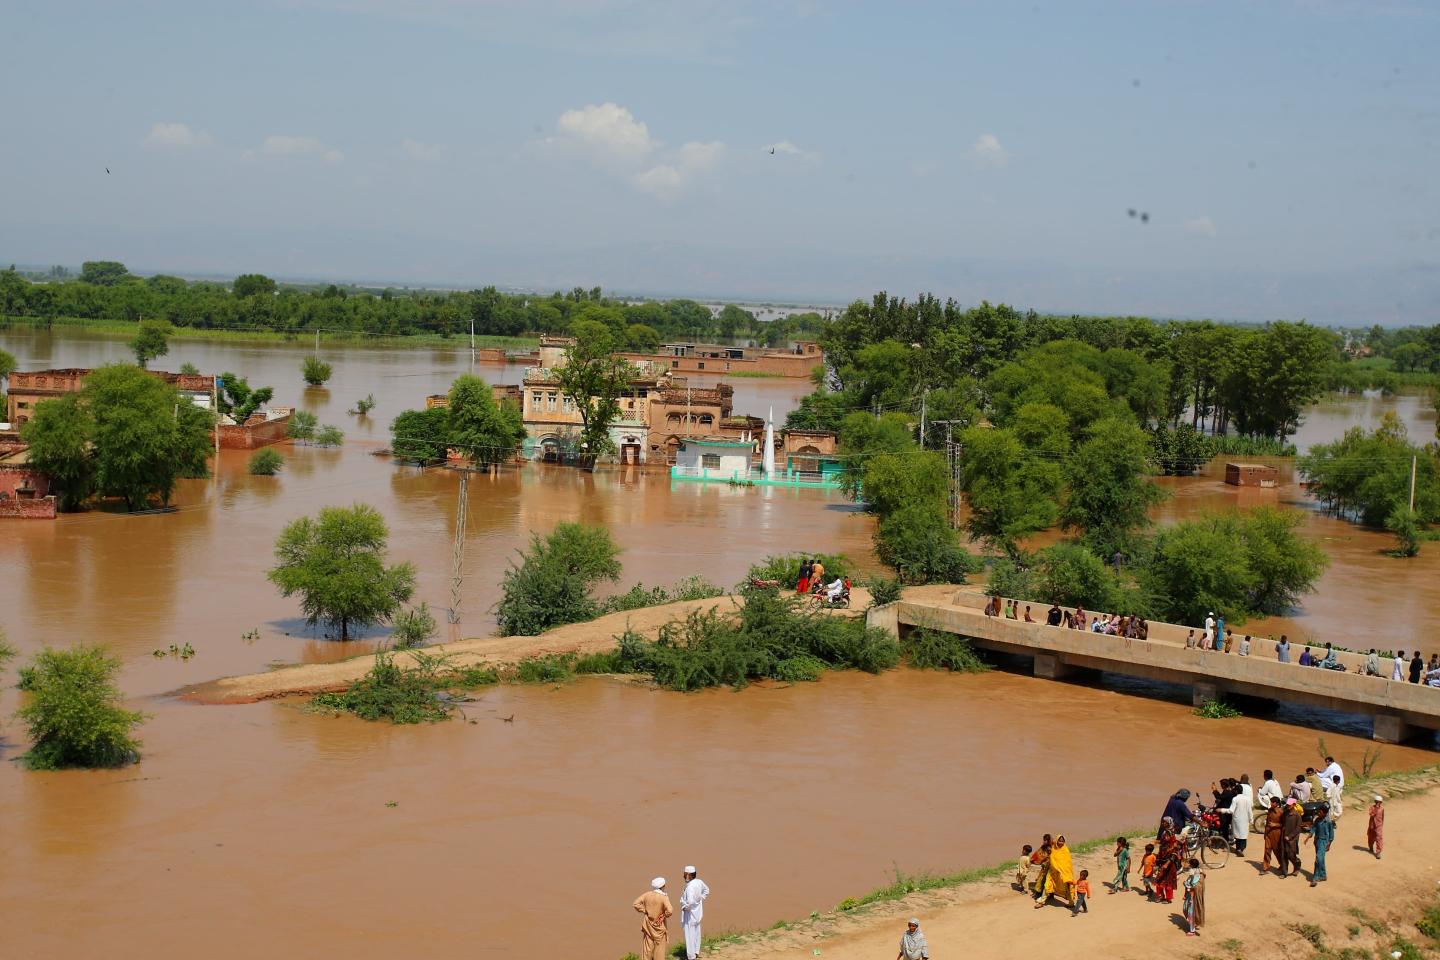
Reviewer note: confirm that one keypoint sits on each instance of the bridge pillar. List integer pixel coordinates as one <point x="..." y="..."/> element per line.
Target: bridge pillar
<point x="885" y="618"/>
<point x="1050" y="667"/>
<point x="1391" y="729"/>
<point x="1200" y="692"/>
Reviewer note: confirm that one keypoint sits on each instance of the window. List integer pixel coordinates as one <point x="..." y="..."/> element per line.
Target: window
<point x="701" y="365"/>
<point x="710" y="461"/>
<point x="535" y="400"/>
<point x="550" y="402"/>
<point x="569" y="405"/>
<point x="673" y="418"/>
<point x="706" y="420"/>
<point x="674" y="363"/>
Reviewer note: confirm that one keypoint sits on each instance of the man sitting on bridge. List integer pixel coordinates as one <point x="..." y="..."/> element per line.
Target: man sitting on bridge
<point x="1054" y="616"/>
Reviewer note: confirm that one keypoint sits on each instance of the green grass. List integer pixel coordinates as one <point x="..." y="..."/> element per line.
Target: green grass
<point x="1217" y="710"/>
<point x="124" y="328"/>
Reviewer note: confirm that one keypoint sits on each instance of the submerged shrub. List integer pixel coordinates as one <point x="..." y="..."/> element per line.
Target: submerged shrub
<point x="73" y="717"/>
<point x="928" y="649"/>
<point x="552" y="583"/>
<point x="1217" y="710"/>
<point x="265" y="463"/>
<point x="415" y="627"/>
<point x="395" y="693"/>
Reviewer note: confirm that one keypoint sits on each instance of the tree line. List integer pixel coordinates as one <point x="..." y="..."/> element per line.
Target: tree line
<point x="106" y="290"/>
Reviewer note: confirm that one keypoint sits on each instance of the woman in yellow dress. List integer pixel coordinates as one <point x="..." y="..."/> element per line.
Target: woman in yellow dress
<point x="1061" y="878"/>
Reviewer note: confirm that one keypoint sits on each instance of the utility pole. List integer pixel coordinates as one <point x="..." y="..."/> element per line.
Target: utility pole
<point x="1413" y="460"/>
<point x="952" y="454"/>
<point x="317" y="343"/>
<point x="457" y="561"/>
<point x="923" y="398"/>
<point x="215" y="414"/>
<point x="472" y="343"/>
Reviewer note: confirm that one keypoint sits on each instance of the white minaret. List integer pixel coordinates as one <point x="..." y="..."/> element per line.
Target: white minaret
<point x="767" y="457"/>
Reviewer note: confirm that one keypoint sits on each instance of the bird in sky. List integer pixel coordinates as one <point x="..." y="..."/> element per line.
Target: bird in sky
<point x="1132" y="212"/>
<point x="107" y="169"/>
<point x="1144" y="218"/>
<point x="772" y="151"/>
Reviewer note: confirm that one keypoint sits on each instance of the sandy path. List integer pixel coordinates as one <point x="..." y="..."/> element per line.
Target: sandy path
<point x="576" y="637"/>
<point x="990" y="919"/>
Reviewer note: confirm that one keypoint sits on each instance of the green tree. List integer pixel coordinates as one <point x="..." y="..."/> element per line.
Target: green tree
<point x="733" y="319"/>
<point x="265" y="463"/>
<point x="253" y="284"/>
<point x="415" y="627"/>
<point x="1109" y="492"/>
<point x="73" y="716"/>
<point x="918" y="543"/>
<point x="1232" y="563"/>
<point x="302" y="425"/>
<point x="1365" y="474"/>
<point x="103" y="273"/>
<point x="315" y="371"/>
<point x="553" y="582"/>
<point x="912" y="477"/>
<point x="642" y="338"/>
<point x="238" y="400"/>
<point x="1404" y="523"/>
<point x="483" y="429"/>
<point x="1011" y="493"/>
<point x="421" y="436"/>
<point x="821" y="410"/>
<point x="59" y="438"/>
<point x="145" y="435"/>
<point x="595" y="381"/>
<point x="336" y="563"/>
<point x="863" y="437"/>
<point x="151" y="340"/>
<point x="329" y="436"/>
<point x="7" y="364"/>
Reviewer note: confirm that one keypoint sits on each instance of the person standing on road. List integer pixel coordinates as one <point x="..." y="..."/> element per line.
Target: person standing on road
<point x="655" y="909"/>
<point x="1375" y="828"/>
<point x="1194" y="902"/>
<point x="692" y="908"/>
<point x="1282" y="649"/>
<point x="1398" y="672"/>
<point x="912" y="943"/>
<point x="1207" y="642"/>
<point x="1322" y="831"/>
<point x="1242" y="809"/>
<point x="1417" y="667"/>
<point x="1274" y="840"/>
<point x="1177" y="810"/>
<point x="1372" y="663"/>
<point x="1290" y="827"/>
<point x="1333" y="797"/>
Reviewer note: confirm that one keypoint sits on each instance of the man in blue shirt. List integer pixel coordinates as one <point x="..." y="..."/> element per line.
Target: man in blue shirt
<point x="1322" y="831"/>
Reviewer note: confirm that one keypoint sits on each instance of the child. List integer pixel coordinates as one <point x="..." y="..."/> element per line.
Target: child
<point x="1022" y="869"/>
<point x="1147" y="870"/>
<point x="1122" y="865"/>
<point x="1194" y="908"/>
<point x="1082" y="891"/>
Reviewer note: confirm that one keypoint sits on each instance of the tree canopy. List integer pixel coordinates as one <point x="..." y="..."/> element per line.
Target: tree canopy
<point x="595" y="381"/>
<point x="478" y="426"/>
<point x="336" y="563"/>
<point x="151" y="340"/>
<point x="553" y="582"/>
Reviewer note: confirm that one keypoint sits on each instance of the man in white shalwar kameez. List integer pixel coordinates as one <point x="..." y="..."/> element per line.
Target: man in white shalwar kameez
<point x="692" y="909"/>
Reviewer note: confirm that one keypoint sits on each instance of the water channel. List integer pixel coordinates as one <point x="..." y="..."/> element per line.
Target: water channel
<point x="264" y="828"/>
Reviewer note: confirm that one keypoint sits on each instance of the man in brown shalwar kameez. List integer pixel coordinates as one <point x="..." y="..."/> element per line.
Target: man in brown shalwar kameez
<point x="656" y="909"/>
<point x="1274" y="817"/>
<point x="1290" y="839"/>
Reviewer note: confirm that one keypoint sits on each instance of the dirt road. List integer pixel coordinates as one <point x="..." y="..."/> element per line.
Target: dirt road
<point x="1249" y="915"/>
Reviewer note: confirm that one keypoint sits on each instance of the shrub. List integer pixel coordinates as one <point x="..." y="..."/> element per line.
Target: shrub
<point x="302" y="425"/>
<point x="415" y="627"/>
<point x="315" y="371"/>
<point x="1404" y="523"/>
<point x="265" y="463"/>
<point x="1217" y="710"/>
<point x="551" y="668"/>
<point x="329" y="436"/>
<point x="785" y="567"/>
<point x="607" y="661"/>
<point x="883" y="590"/>
<point x="73" y="717"/>
<point x="552" y="583"/>
<point x="928" y="649"/>
<point x="637" y="597"/>
<point x="394" y="693"/>
<point x="363" y="407"/>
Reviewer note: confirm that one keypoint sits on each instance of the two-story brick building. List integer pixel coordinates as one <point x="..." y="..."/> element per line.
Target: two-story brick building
<point x="28" y="388"/>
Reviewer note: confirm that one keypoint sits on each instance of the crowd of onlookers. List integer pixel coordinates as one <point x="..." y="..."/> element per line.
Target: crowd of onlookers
<point x="1215" y="637"/>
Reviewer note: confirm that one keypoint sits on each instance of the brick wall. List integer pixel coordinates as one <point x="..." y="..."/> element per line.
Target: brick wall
<point x="42" y="509"/>
<point x="250" y="436"/>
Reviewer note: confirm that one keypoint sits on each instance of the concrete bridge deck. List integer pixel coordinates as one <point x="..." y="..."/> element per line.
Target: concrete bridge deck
<point x="1398" y="709"/>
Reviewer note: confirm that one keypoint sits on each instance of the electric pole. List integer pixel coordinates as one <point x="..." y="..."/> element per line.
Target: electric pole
<point x="923" y="398"/>
<point x="952" y="454"/>
<point x="457" y="562"/>
<point x="1413" y="460"/>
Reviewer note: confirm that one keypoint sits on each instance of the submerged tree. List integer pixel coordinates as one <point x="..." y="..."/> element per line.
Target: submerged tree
<point x="74" y="717"/>
<point x="336" y="563"/>
<point x="315" y="371"/>
<point x="151" y="340"/>
<point x="478" y="426"/>
<point x="59" y="438"/>
<point x="594" y="380"/>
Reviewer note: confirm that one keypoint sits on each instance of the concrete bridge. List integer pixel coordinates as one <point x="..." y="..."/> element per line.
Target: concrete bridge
<point x="1399" y="710"/>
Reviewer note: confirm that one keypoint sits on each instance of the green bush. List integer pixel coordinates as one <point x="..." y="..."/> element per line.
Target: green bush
<point x="1404" y="523"/>
<point x="919" y="545"/>
<point x="415" y="627"/>
<point x="883" y="590"/>
<point x="395" y="693"/>
<point x="329" y="436"/>
<point x="302" y="425"/>
<point x="73" y="717"/>
<point x="607" y="661"/>
<point x="772" y="637"/>
<point x="638" y="597"/>
<point x="315" y="371"/>
<point x="265" y="463"/>
<point x="552" y="583"/>
<point x="551" y="668"/>
<point x="928" y="649"/>
<point x="1217" y="710"/>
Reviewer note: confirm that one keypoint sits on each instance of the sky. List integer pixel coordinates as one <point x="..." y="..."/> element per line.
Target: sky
<point x="1285" y="152"/>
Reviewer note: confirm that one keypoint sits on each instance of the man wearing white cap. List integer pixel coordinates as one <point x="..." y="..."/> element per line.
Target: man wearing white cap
<point x="654" y="929"/>
<point x="692" y="908"/>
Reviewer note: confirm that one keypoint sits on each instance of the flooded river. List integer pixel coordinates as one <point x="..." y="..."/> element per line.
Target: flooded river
<point x="266" y="829"/>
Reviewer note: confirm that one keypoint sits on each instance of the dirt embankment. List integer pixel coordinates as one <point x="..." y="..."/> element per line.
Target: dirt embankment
<point x="1364" y="905"/>
<point x="589" y="637"/>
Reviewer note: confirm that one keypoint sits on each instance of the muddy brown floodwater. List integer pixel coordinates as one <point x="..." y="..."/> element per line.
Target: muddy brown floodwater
<point x="267" y="829"/>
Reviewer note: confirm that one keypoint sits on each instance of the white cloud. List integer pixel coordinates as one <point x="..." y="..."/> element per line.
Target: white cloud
<point x="786" y="148"/>
<point x="668" y="180"/>
<point x="1201" y="226"/>
<point x="177" y="135"/>
<point x="609" y="129"/>
<point x="277" y="145"/>
<point x="420" y="150"/>
<point x="988" y="152"/>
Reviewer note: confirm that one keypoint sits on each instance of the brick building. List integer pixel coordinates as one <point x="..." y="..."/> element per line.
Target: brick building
<point x="28" y="388"/>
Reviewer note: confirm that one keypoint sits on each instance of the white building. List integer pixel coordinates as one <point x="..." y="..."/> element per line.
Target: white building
<point x="714" y="458"/>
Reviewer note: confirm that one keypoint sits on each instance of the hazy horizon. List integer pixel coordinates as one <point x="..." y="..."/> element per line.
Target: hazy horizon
<point x="1281" y="154"/>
